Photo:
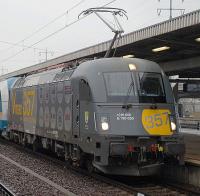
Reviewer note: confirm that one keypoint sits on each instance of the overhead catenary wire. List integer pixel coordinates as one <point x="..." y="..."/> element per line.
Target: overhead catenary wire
<point x="30" y="46"/>
<point x="40" y="29"/>
<point x="52" y="21"/>
<point x="21" y="45"/>
<point x="46" y="25"/>
<point x="109" y="3"/>
<point x="50" y="35"/>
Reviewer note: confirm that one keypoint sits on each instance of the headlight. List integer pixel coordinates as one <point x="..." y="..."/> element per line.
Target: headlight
<point x="104" y="123"/>
<point x="104" y="126"/>
<point x="173" y="126"/>
<point x="173" y="123"/>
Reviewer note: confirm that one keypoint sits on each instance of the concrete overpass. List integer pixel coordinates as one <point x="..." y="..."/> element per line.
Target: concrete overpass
<point x="179" y="35"/>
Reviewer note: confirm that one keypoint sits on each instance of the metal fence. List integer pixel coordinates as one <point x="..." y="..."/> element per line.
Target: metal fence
<point x="189" y="108"/>
<point x="190" y="123"/>
<point x="189" y="113"/>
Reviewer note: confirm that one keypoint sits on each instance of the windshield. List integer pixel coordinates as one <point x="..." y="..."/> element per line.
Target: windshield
<point x="151" y="87"/>
<point x="118" y="85"/>
<point x="121" y="87"/>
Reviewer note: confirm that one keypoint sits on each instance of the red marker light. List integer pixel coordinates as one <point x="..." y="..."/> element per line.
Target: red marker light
<point x="130" y="148"/>
<point x="153" y="148"/>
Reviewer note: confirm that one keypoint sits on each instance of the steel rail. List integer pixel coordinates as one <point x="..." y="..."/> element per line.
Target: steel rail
<point x="147" y="187"/>
<point x="4" y="191"/>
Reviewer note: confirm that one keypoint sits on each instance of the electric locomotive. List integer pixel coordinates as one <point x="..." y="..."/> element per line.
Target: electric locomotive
<point x="115" y="115"/>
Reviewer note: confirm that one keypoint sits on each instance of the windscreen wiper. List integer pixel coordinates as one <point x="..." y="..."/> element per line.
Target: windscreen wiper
<point x="125" y="105"/>
<point x="154" y="104"/>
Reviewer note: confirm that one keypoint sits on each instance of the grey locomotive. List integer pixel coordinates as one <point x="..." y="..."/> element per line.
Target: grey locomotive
<point x="114" y="115"/>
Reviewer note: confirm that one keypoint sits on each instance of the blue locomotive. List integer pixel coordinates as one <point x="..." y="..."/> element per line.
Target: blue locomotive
<point x="4" y="98"/>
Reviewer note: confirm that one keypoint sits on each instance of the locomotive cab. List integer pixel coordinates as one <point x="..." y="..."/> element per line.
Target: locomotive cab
<point x="125" y="116"/>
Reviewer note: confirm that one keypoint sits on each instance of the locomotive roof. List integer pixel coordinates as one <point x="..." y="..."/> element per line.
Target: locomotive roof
<point x="115" y="64"/>
<point x="42" y="78"/>
<point x="88" y="70"/>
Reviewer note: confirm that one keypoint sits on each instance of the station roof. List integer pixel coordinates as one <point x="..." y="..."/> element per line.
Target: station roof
<point x="178" y="34"/>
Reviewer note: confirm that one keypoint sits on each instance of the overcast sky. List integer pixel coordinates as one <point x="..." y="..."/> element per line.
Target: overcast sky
<point x="19" y="19"/>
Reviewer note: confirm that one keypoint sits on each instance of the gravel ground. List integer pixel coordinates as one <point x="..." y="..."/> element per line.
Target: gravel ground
<point x="23" y="183"/>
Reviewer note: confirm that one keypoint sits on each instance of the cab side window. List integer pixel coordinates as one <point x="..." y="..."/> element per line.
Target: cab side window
<point x="85" y="93"/>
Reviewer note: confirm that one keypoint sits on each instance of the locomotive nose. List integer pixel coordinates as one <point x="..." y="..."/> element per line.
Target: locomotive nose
<point x="137" y="120"/>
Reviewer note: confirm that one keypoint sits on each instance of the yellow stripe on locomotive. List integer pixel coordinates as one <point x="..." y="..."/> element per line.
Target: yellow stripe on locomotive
<point x="156" y="122"/>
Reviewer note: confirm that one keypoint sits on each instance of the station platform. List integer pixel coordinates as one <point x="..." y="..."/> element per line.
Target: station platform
<point x="192" y="142"/>
<point x="189" y="173"/>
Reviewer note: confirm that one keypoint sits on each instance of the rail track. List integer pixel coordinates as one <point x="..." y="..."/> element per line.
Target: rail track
<point x="106" y="185"/>
<point x="4" y="191"/>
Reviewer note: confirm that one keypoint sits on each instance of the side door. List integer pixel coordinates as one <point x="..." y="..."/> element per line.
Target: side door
<point x="75" y="109"/>
<point x="81" y="107"/>
<point x="68" y="111"/>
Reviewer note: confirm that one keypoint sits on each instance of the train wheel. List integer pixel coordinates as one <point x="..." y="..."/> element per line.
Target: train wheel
<point x="68" y="163"/>
<point x="89" y="166"/>
<point x="24" y="143"/>
<point x="35" y="145"/>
